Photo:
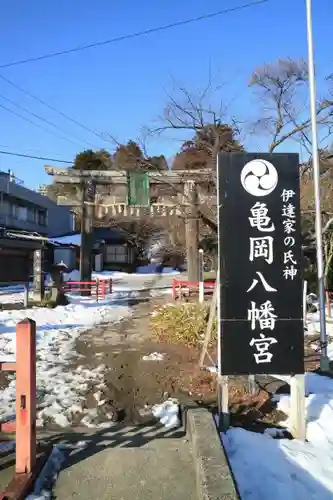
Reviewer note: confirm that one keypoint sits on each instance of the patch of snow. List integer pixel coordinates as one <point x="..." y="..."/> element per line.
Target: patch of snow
<point x="286" y="469"/>
<point x="313" y="324"/>
<point x="141" y="272"/>
<point x="212" y="369"/>
<point x="167" y="413"/>
<point x="47" y="477"/>
<point x="278" y="469"/>
<point x="6" y="446"/>
<point x="61" y="390"/>
<point x="14" y="297"/>
<point x="157" y="292"/>
<point x="154" y="356"/>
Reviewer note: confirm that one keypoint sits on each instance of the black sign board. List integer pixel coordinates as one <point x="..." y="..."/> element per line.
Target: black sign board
<point x="260" y="264"/>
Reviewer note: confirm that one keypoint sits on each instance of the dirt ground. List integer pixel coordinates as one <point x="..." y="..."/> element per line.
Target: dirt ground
<point x="134" y="385"/>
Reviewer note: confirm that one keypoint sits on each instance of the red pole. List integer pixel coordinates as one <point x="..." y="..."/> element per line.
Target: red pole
<point x="25" y="396"/>
<point x="97" y="285"/>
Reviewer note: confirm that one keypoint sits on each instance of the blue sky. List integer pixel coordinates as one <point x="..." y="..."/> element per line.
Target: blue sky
<point x="120" y="88"/>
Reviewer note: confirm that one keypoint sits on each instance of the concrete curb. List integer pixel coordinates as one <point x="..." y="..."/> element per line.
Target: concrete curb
<point x="214" y="478"/>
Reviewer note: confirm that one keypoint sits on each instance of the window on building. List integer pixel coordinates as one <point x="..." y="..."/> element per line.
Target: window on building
<point x="22" y="213"/>
<point x="13" y="210"/>
<point x="32" y="214"/>
<point x="116" y="253"/>
<point x="4" y="206"/>
<point x="42" y="217"/>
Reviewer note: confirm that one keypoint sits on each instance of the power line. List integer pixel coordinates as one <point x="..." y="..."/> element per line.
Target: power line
<point x="34" y="123"/>
<point x="32" y="157"/>
<point x="45" y="121"/>
<point x="135" y="35"/>
<point x="27" y="150"/>
<point x="61" y="113"/>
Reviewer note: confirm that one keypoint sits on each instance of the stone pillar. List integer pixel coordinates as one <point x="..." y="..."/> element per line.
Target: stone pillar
<point x="38" y="275"/>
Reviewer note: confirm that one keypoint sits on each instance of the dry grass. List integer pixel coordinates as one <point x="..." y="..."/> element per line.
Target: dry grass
<point x="181" y="323"/>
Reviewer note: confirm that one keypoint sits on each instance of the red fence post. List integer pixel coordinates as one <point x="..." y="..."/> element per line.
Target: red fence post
<point x="110" y="285"/>
<point x="97" y="289"/>
<point x="25" y="396"/>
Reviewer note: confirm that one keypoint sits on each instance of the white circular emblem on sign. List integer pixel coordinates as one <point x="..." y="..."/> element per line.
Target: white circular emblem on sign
<point x="259" y="177"/>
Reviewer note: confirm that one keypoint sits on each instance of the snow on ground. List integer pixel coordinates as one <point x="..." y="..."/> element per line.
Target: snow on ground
<point x="154" y="356"/>
<point x="141" y="272"/>
<point x="122" y="282"/>
<point x="60" y="390"/>
<point x="282" y="469"/>
<point x="48" y="475"/>
<point x="312" y="320"/>
<point x="270" y="466"/>
<point x="314" y="326"/>
<point x="167" y="413"/>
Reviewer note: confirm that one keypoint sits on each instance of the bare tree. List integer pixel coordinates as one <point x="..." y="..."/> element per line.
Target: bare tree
<point x="282" y="88"/>
<point x="203" y="125"/>
<point x="206" y="127"/>
<point x="328" y="252"/>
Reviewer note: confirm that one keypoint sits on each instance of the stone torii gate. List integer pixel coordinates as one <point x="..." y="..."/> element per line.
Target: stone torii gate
<point x="177" y="191"/>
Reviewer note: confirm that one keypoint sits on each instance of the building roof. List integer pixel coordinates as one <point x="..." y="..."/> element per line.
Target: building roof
<point x="20" y="234"/>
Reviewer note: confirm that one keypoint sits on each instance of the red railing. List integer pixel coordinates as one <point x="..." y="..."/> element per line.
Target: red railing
<point x="181" y="286"/>
<point x="25" y="423"/>
<point x="98" y="287"/>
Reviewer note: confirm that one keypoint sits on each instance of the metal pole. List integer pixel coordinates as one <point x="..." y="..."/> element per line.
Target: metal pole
<point x="222" y="381"/>
<point x="218" y="277"/>
<point x="305" y="293"/>
<point x="82" y="227"/>
<point x="324" y="361"/>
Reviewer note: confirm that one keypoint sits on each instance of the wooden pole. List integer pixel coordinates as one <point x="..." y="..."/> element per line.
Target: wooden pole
<point x="25" y="396"/>
<point x="297" y="407"/>
<point x="223" y="393"/>
<point x="208" y="334"/>
<point x="305" y="292"/>
<point x="86" y="241"/>
<point x="201" y="277"/>
<point x="252" y="384"/>
<point x="192" y="231"/>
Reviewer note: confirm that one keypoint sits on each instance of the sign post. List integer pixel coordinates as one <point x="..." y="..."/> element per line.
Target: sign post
<point x="261" y="305"/>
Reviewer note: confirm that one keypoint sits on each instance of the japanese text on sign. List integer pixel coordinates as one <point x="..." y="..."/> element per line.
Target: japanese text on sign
<point x="289" y="227"/>
<point x="262" y="316"/>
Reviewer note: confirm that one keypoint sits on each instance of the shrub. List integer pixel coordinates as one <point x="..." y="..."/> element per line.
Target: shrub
<point x="183" y="322"/>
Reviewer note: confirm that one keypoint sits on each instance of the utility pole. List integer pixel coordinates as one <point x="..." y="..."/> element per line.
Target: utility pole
<point x="324" y="360"/>
<point x="192" y="231"/>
